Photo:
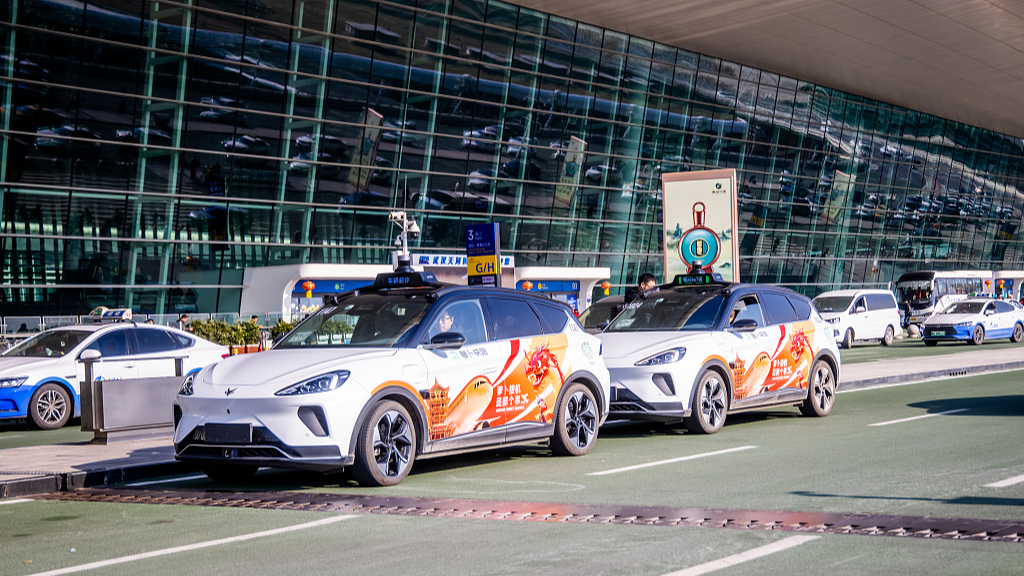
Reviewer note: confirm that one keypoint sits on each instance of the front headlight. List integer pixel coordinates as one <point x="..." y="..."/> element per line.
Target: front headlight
<point x="961" y="324"/>
<point x="833" y="320"/>
<point x="666" y="357"/>
<point x="12" y="382"/>
<point x="321" y="383"/>
<point x="186" y="386"/>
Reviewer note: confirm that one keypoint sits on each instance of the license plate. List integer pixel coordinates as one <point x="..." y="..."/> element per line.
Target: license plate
<point x="229" y="433"/>
<point x="911" y="319"/>
<point x="938" y="333"/>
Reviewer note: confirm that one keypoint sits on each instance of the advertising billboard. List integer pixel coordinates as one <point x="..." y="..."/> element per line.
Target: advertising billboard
<point x="700" y="223"/>
<point x="569" y="174"/>
<point x="364" y="156"/>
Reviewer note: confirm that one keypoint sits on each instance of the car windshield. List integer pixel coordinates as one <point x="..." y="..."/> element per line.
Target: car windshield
<point x="377" y="320"/>
<point x="832" y="303"/>
<point x="599" y="313"/>
<point x="964" y="308"/>
<point x="670" y="311"/>
<point x="53" y="343"/>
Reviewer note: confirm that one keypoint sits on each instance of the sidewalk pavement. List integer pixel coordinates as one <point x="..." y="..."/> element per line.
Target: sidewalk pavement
<point x="61" y="467"/>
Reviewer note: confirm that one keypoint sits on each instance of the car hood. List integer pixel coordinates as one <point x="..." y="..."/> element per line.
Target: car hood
<point x="633" y="346"/>
<point x="831" y="315"/>
<point x="952" y="318"/>
<point x="287" y="366"/>
<point x="19" y="365"/>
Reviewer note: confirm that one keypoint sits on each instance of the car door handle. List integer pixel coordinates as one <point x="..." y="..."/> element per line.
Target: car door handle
<point x="129" y="365"/>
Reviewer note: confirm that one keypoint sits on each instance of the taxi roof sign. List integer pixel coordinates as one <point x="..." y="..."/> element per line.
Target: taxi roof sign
<point x="392" y="280"/>
<point x="115" y="314"/>
<point x="697" y="279"/>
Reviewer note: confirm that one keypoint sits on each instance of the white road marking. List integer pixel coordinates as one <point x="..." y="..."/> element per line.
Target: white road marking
<point x="919" y="417"/>
<point x="16" y="501"/>
<point x="197" y="546"/>
<point x="1000" y="484"/>
<point x="671" y="461"/>
<point x="744" y="556"/>
<point x="167" y="480"/>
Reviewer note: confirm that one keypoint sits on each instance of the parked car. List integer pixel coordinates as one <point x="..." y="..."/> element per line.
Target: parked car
<point x="403" y="369"/>
<point x="301" y="163"/>
<point x="151" y="135"/>
<point x="325" y="144"/>
<point x="246" y="145"/>
<point x="222" y="116"/>
<point x="217" y="101"/>
<point x="40" y="378"/>
<point x="485" y="179"/>
<point x="859" y="315"/>
<point x="512" y="168"/>
<point x="597" y="173"/>
<point x="462" y="201"/>
<point x="479" y="141"/>
<point x="519" y="146"/>
<point x="974" y="320"/>
<point x="58" y="141"/>
<point x="697" y="349"/>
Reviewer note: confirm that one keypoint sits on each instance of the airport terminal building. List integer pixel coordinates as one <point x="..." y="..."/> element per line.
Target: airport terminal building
<point x="154" y="151"/>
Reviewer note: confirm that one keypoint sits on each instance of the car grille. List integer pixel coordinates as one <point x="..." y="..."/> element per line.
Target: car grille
<point x="935" y="331"/>
<point x="260" y="435"/>
<point x="627" y="407"/>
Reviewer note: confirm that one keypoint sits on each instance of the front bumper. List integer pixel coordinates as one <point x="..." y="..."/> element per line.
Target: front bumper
<point x="628" y="406"/>
<point x="946" y="333"/>
<point x="264" y="450"/>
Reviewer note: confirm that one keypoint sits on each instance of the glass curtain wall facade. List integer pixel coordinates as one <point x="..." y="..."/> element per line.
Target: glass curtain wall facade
<point x="154" y="150"/>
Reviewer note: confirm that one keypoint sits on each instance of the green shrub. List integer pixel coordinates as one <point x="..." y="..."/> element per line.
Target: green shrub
<point x="220" y="332"/>
<point x="281" y="328"/>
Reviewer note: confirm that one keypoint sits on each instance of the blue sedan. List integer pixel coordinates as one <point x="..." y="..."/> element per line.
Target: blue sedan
<point x="973" y="320"/>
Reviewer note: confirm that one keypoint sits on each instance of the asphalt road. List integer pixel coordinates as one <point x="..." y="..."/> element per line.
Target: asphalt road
<point x="931" y="449"/>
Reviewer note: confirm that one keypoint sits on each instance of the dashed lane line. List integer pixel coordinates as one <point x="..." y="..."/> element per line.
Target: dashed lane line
<point x="1007" y="482"/>
<point x="196" y="546"/>
<point x="168" y="480"/>
<point x="16" y="501"/>
<point x="744" y="556"/>
<point x="901" y="420"/>
<point x="670" y="461"/>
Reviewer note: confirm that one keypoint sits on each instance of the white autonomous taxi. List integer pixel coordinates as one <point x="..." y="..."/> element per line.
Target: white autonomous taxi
<point x="697" y="349"/>
<point x="406" y="368"/>
<point x="973" y="320"/>
<point x="40" y="378"/>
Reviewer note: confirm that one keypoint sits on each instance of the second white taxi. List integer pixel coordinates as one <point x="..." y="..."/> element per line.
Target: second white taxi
<point x="697" y="349"/>
<point x="974" y="320"/>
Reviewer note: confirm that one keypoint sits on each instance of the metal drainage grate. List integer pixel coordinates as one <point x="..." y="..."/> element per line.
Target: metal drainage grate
<point x="861" y="524"/>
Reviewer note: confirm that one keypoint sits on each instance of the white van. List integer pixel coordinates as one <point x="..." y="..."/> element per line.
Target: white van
<point x="858" y="315"/>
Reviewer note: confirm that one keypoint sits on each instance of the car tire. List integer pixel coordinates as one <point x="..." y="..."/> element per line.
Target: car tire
<point x="1018" y="333"/>
<point x="576" y="421"/>
<point x="890" y="333"/>
<point x="931" y="342"/>
<point x="709" y="404"/>
<point x="847" y="339"/>
<point x="821" y="390"/>
<point x="230" y="474"/>
<point x="387" y="446"/>
<point x="978" y="336"/>
<point x="50" y="407"/>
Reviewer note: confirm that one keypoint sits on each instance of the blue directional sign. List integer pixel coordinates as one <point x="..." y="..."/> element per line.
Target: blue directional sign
<point x="483" y="254"/>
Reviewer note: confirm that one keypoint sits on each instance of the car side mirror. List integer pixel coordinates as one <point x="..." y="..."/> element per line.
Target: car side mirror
<point x="446" y="341"/>
<point x="860" y="309"/>
<point x="744" y="325"/>
<point x="90" y="355"/>
<point x="989" y="312"/>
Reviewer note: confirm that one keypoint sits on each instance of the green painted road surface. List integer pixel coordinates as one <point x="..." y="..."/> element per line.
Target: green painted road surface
<point x="884" y="451"/>
<point x="17" y="434"/>
<point x="909" y="349"/>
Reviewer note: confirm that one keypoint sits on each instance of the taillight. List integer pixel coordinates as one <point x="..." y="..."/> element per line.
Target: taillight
<point x="225" y="355"/>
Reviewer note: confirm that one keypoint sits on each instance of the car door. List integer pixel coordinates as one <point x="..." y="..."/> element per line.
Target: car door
<point x="155" y="351"/>
<point x="859" y="319"/>
<point x="791" y="357"/>
<point x="990" y="320"/>
<point x="529" y="383"/>
<point x="750" y="355"/>
<point x="1004" y="319"/>
<point x="117" y="361"/>
<point x="461" y="382"/>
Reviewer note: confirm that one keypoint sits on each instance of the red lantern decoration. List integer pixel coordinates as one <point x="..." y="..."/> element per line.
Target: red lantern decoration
<point x="308" y="287"/>
<point x="527" y="285"/>
<point x="606" y="285"/>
